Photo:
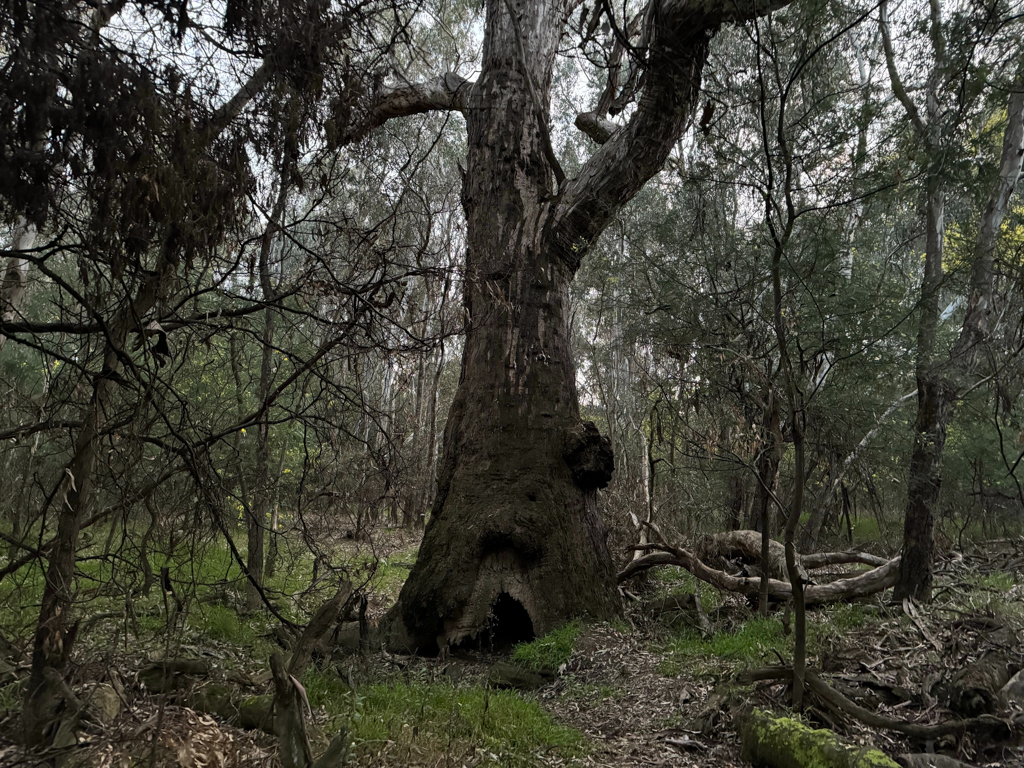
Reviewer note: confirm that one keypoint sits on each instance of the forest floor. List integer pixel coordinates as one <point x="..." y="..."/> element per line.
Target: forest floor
<point x="647" y="691"/>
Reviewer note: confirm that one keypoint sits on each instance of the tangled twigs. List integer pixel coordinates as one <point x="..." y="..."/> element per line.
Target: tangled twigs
<point x="840" y="704"/>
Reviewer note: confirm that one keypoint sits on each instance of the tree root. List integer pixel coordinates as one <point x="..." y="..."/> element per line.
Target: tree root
<point x="841" y="705"/>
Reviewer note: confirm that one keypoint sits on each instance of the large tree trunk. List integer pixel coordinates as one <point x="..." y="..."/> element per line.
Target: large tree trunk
<point x="513" y="522"/>
<point x="515" y="545"/>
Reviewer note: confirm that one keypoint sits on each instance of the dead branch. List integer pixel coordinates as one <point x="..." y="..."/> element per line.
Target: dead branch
<point x="322" y="621"/>
<point x="747" y="544"/>
<point x="840" y="704"/>
<point x="871" y="582"/>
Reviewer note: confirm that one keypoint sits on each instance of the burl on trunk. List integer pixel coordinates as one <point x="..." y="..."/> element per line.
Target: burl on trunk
<point x="515" y="545"/>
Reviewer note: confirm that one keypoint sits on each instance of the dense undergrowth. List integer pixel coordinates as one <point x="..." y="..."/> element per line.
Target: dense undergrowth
<point x="427" y="712"/>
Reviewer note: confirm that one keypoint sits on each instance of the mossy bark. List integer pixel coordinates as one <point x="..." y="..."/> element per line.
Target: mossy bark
<point x="783" y="742"/>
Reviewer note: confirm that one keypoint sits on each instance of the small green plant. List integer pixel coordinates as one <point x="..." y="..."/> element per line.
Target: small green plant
<point x="1000" y="581"/>
<point x="551" y="651"/>
<point x="220" y="623"/>
<point x="425" y="723"/>
<point x="10" y="697"/>
<point x="755" y="641"/>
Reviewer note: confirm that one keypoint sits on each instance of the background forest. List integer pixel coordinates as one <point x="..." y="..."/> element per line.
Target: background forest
<point x="232" y="326"/>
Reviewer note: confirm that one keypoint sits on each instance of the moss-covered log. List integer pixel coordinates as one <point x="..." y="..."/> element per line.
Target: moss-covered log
<point x="782" y="742"/>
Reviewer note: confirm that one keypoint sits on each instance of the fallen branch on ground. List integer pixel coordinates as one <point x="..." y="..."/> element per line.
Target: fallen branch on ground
<point x="840" y="704"/>
<point x="747" y="545"/>
<point x="871" y="582"/>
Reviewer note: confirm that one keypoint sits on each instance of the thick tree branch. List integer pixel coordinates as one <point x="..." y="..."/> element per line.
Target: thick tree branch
<point x="598" y="128"/>
<point x="680" y="33"/>
<point x="445" y="93"/>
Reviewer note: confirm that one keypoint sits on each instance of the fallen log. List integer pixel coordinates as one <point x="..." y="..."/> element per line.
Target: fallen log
<point x="873" y="581"/>
<point x="975" y="689"/>
<point x="747" y="545"/>
<point x="783" y="742"/>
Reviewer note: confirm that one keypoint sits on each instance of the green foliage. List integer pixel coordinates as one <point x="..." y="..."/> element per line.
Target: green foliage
<point x="755" y="641"/>
<point x="20" y="594"/>
<point x="10" y="697"/>
<point x="786" y="741"/>
<point x="220" y="623"/>
<point x="423" y="722"/>
<point x="551" y="651"/>
<point x="842" y="616"/>
<point x="998" y="580"/>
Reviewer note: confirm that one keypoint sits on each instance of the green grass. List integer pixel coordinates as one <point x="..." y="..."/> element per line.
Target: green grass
<point x="10" y="697"/>
<point x="20" y="594"/>
<point x="389" y="577"/>
<point x="757" y="640"/>
<point x="1000" y="581"/>
<point x="551" y="651"/>
<point x="424" y="723"/>
<point x="219" y="623"/>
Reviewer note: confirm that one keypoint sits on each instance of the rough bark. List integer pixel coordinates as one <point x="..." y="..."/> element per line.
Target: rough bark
<point x="516" y="510"/>
<point x="516" y="515"/>
<point x="941" y="381"/>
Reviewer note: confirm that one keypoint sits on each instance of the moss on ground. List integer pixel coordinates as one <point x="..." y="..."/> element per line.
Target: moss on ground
<point x="754" y="641"/>
<point x="785" y="742"/>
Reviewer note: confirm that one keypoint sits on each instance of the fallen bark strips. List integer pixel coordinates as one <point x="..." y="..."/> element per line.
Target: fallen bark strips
<point x="838" y="703"/>
<point x="876" y="580"/>
<point x="975" y="689"/>
<point x="783" y="742"/>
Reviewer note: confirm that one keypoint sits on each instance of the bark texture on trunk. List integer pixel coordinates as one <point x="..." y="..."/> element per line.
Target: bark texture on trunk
<point x="939" y="383"/>
<point x="933" y="403"/>
<point x="515" y="545"/>
<point x="512" y="517"/>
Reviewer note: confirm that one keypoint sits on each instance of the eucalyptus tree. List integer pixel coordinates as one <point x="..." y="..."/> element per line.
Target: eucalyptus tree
<point x="964" y="46"/>
<point x="515" y="521"/>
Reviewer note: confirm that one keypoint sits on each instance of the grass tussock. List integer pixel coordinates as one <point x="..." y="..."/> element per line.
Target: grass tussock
<point x="551" y="651"/>
<point x="408" y="723"/>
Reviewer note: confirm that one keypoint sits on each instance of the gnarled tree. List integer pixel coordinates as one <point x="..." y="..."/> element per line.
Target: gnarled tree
<point x="515" y="544"/>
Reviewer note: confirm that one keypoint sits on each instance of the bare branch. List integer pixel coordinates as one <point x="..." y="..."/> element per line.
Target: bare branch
<point x="445" y="93"/>
<point x="890" y="64"/>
